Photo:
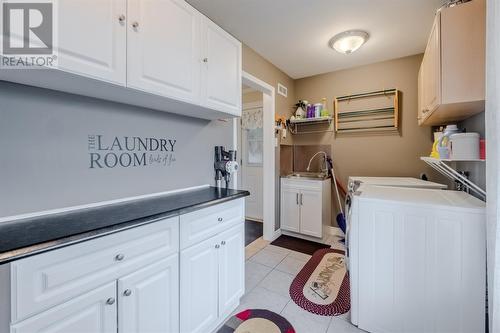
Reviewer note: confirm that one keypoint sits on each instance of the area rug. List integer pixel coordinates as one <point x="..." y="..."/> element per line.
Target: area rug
<point x="298" y="244"/>
<point x="257" y="321"/>
<point x="322" y="286"/>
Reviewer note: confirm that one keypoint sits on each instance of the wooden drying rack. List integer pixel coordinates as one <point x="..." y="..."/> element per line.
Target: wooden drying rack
<point x="384" y="119"/>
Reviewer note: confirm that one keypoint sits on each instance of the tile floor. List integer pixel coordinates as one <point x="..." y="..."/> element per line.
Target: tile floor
<point x="269" y="272"/>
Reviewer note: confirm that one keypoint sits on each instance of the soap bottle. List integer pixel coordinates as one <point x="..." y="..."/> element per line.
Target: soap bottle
<point x="324" y="110"/>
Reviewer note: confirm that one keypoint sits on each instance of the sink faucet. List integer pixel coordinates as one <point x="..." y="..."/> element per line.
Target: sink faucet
<point x="324" y="156"/>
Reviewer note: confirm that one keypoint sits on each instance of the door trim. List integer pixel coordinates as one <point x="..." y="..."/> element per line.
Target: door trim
<point x="269" y="166"/>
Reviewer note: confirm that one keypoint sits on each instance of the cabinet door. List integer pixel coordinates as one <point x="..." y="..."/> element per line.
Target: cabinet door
<point x="199" y="286"/>
<point x="311" y="222"/>
<point x="149" y="298"/>
<point x="94" y="312"/>
<point x="163" y="48"/>
<point x="222" y="69"/>
<point x="432" y="70"/>
<point x="290" y="209"/>
<point x="92" y="38"/>
<point x="231" y="268"/>
<point x="420" y="113"/>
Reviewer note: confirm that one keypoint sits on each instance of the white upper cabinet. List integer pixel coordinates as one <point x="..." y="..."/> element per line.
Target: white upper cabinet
<point x="157" y="54"/>
<point x="222" y="73"/>
<point x="92" y="38"/>
<point x="164" y="48"/>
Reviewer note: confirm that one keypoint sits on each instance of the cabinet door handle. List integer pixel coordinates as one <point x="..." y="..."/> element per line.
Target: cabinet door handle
<point x="135" y="25"/>
<point x="121" y="18"/>
<point x="217" y="246"/>
<point x="220" y="219"/>
<point x="301" y="199"/>
<point x="297" y="198"/>
<point x="127" y="292"/>
<point x="223" y="243"/>
<point x="110" y="301"/>
<point x="205" y="60"/>
<point x="119" y="257"/>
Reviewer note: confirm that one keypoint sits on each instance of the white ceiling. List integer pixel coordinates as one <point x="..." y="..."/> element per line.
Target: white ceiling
<point x="294" y="34"/>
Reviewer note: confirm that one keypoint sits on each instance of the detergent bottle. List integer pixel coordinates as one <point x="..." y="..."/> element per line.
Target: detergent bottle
<point x="443" y="147"/>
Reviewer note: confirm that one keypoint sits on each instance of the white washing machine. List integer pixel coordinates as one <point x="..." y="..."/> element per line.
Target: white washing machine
<point x="417" y="260"/>
<point x="355" y="182"/>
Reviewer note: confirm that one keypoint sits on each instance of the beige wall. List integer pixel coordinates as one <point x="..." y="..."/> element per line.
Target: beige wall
<point x="373" y="155"/>
<point x="259" y="67"/>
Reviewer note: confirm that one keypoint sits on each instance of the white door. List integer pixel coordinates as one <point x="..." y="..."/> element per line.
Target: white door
<point x="149" y="298"/>
<point x="290" y="209"/>
<point x="94" y="312"/>
<point x="231" y="268"/>
<point x="311" y="222"/>
<point x="252" y="158"/>
<point x="222" y="69"/>
<point x="92" y="38"/>
<point x="164" y="48"/>
<point x="199" y="286"/>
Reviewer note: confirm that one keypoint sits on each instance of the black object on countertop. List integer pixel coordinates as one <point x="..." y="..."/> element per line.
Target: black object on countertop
<point x="24" y="237"/>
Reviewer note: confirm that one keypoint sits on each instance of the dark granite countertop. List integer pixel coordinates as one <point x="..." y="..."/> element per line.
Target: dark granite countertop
<point x="24" y="237"/>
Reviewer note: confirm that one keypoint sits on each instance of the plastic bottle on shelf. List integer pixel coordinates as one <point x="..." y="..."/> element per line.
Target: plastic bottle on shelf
<point x="324" y="111"/>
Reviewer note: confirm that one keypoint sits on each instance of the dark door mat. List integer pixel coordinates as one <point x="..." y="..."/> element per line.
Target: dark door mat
<point x="298" y="244"/>
<point x="253" y="230"/>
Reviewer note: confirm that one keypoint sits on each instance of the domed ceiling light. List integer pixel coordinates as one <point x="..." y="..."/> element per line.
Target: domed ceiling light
<point x="348" y="41"/>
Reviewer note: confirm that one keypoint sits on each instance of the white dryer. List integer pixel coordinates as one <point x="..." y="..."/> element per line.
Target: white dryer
<point x="417" y="260"/>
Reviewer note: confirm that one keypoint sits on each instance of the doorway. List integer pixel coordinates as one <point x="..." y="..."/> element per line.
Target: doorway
<point x="257" y="157"/>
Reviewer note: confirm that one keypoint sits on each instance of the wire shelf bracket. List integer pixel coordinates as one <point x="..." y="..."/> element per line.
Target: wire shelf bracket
<point x="448" y="171"/>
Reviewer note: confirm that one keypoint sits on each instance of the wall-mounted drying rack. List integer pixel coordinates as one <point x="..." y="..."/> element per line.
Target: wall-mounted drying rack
<point x="376" y="111"/>
<point x="297" y="124"/>
<point x="446" y="170"/>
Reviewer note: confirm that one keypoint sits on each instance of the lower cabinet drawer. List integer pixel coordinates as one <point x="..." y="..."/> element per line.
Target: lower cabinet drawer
<point x="202" y="224"/>
<point x="43" y="281"/>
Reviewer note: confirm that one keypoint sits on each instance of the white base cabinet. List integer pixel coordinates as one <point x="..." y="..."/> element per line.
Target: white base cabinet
<point x="133" y="281"/>
<point x="305" y="206"/>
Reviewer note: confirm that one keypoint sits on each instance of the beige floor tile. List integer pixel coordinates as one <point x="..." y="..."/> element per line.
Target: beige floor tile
<point x="304" y="321"/>
<point x="260" y="298"/>
<point x="254" y="274"/>
<point x="268" y="258"/>
<point x="278" y="282"/>
<point x="291" y="265"/>
<point x="277" y="249"/>
<point x="341" y="325"/>
<point x="300" y="255"/>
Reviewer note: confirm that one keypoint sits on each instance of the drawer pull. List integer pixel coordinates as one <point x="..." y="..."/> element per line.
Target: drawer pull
<point x="223" y="242"/>
<point x="119" y="257"/>
<point x="217" y="246"/>
<point x="127" y="292"/>
<point x="110" y="301"/>
<point x="220" y="219"/>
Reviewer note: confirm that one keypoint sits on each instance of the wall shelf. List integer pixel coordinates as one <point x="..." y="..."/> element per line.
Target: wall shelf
<point x="297" y="124"/>
<point x="442" y="167"/>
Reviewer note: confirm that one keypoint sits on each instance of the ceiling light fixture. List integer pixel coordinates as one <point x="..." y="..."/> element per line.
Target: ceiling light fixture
<point x="348" y="41"/>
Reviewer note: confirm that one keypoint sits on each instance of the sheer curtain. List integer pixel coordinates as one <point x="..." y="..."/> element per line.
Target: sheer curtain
<point x="492" y="160"/>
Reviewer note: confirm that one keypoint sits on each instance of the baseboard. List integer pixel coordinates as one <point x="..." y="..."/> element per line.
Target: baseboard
<point x="334" y="231"/>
